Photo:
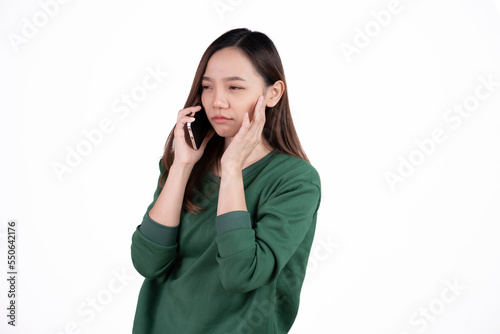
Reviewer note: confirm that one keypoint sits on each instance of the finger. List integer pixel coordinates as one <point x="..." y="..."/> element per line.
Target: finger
<point x="181" y="123"/>
<point x="186" y="119"/>
<point x="257" y="108"/>
<point x="259" y="117"/>
<point x="259" y="112"/>
<point x="246" y="122"/>
<point x="188" y="111"/>
<point x="186" y="115"/>
<point x="243" y="130"/>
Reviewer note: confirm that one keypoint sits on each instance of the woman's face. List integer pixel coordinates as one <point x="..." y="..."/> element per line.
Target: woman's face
<point x="230" y="87"/>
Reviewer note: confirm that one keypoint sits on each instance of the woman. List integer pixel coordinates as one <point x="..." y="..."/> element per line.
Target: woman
<point x="224" y="245"/>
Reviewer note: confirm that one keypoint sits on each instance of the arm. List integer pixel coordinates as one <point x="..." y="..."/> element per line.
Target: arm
<point x="154" y="243"/>
<point x="154" y="246"/>
<point x="231" y="190"/>
<point x="251" y="255"/>
<point x="231" y="193"/>
<point x="167" y="209"/>
<point x="253" y="250"/>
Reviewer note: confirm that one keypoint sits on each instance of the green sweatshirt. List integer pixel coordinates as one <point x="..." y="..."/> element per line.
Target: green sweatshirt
<point x="237" y="273"/>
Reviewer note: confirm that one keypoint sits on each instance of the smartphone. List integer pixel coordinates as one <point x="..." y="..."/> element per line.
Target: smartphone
<point x="197" y="130"/>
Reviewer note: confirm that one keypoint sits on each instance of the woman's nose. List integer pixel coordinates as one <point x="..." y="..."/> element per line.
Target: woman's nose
<point x="219" y="100"/>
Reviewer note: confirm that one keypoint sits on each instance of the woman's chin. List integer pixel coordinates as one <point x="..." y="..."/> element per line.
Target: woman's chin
<point x="225" y="133"/>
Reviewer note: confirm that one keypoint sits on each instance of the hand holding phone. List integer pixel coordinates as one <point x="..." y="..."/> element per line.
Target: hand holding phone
<point x="197" y="130"/>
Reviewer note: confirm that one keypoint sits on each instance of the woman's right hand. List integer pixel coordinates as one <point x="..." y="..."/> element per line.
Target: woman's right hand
<point x="183" y="152"/>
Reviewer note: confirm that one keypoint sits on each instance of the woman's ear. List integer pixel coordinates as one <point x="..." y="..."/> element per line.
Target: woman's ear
<point x="274" y="93"/>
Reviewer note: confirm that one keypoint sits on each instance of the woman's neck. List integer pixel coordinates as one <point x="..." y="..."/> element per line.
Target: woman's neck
<point x="259" y="152"/>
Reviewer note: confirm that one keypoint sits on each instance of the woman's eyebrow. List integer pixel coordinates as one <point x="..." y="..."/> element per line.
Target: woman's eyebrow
<point x="233" y="78"/>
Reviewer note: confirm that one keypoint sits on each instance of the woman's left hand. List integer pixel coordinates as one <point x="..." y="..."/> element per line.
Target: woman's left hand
<point x="249" y="136"/>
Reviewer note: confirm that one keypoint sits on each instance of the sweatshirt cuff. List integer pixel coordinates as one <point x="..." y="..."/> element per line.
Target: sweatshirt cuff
<point x="232" y="220"/>
<point x="161" y="234"/>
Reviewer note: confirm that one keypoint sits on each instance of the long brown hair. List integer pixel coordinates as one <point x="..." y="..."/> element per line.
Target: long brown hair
<point x="278" y="130"/>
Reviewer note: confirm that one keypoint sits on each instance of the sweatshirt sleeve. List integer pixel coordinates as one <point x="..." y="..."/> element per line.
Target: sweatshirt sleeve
<point x="154" y="246"/>
<point x="253" y="255"/>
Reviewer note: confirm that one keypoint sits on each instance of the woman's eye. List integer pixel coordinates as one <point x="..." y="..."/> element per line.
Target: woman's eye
<point x="205" y="87"/>
<point x="235" y="88"/>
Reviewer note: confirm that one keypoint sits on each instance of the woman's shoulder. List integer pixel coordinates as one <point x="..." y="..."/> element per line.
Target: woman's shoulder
<point x="289" y="166"/>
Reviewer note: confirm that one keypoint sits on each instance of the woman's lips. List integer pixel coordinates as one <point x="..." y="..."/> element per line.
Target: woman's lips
<point x="220" y="119"/>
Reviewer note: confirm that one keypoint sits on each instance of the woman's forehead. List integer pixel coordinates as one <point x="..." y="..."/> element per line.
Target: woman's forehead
<point x="230" y="64"/>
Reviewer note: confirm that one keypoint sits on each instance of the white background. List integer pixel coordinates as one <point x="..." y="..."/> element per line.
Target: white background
<point x="383" y="258"/>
